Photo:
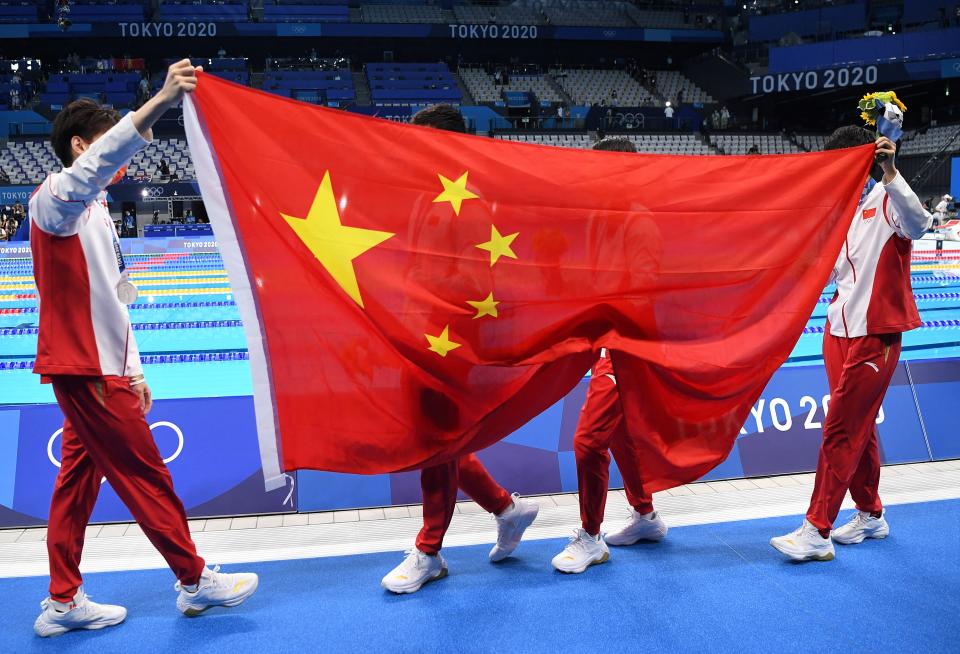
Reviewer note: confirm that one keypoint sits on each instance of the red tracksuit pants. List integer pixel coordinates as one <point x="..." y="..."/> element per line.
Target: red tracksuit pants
<point x="600" y="430"/>
<point x="440" y="484"/>
<point x="105" y="435"/>
<point x="859" y="371"/>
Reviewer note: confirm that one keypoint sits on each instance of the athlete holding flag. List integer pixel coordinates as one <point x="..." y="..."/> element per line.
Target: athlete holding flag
<point x="86" y="349"/>
<point x="872" y="307"/>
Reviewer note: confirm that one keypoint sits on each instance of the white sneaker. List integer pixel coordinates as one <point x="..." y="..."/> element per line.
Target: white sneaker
<point x="862" y="526"/>
<point x="639" y="527"/>
<point x="415" y="571"/>
<point x="510" y="526"/>
<point x="804" y="544"/>
<point x="215" y="588"/>
<point x="581" y="552"/>
<point x="59" y="618"/>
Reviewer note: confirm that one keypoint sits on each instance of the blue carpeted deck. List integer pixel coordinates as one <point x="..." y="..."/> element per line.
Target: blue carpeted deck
<point x="711" y="588"/>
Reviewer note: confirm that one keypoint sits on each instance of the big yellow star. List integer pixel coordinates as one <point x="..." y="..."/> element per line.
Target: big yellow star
<point x="498" y="245"/>
<point x="485" y="307"/>
<point x="455" y="192"/>
<point x="334" y="244"/>
<point x="441" y="344"/>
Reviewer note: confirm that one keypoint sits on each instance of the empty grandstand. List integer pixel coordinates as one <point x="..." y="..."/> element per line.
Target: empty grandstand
<point x="484" y="87"/>
<point x="612" y="87"/>
<point x="740" y="143"/>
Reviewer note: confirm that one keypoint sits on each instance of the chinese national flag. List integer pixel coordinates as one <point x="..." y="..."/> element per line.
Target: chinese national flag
<point x="410" y="295"/>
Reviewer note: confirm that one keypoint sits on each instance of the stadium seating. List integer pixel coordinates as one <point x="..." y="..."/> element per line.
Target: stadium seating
<point x="117" y="89"/>
<point x="583" y="12"/>
<point x="102" y="11"/>
<point x="582" y="141"/>
<point x="29" y="162"/>
<point x="187" y="10"/>
<point x="929" y="141"/>
<point x="812" y="142"/>
<point x="739" y="143"/>
<point x="590" y="86"/>
<point x="146" y="163"/>
<point x="412" y="84"/>
<point x="18" y="12"/>
<point x="402" y="14"/>
<point x="303" y="13"/>
<point x="331" y="87"/>
<point x="508" y="15"/>
<point x="669" y="83"/>
<point x="482" y="87"/>
<point x="648" y="143"/>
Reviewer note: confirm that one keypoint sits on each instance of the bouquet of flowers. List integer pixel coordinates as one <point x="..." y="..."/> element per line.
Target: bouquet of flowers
<point x="884" y="110"/>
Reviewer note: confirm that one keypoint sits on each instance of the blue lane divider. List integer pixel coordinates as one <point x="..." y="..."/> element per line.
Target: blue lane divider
<point x="143" y="326"/>
<point x="926" y="324"/>
<point x="146" y="306"/>
<point x="916" y="296"/>
<point x="152" y="359"/>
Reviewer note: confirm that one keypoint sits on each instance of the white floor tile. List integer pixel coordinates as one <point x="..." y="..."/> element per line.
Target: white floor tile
<point x="10" y="535"/>
<point x="266" y="521"/>
<point x="133" y="530"/>
<point x="323" y="518"/>
<point x="201" y="525"/>
<point x="92" y="531"/>
<point x="113" y="531"/>
<point x="295" y="519"/>
<point x="34" y="535"/>
<point x="246" y="522"/>
<point x="352" y="515"/>
<point x="764" y="482"/>
<point x="416" y="510"/>
<point x="370" y="514"/>
<point x="468" y="508"/>
<point x="743" y="484"/>
<point x="392" y="512"/>
<point x="218" y="524"/>
<point x="701" y="489"/>
<point x="566" y="499"/>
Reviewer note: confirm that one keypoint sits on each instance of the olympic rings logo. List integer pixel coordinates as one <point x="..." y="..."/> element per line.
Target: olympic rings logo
<point x="153" y="191"/>
<point x="163" y="423"/>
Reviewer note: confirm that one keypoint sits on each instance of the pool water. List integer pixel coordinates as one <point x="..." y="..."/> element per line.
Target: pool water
<point x="192" y="342"/>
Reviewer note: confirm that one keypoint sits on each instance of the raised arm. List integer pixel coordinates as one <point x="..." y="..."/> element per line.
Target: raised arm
<point x="62" y="199"/>
<point x="906" y="212"/>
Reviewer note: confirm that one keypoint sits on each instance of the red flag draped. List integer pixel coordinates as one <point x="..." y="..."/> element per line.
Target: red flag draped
<point x="410" y="294"/>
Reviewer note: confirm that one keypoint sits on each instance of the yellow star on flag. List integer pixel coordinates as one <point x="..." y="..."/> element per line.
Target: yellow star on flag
<point x="485" y="307"/>
<point x="498" y="245"/>
<point x="455" y="192"/>
<point x="334" y="244"/>
<point x="441" y="344"/>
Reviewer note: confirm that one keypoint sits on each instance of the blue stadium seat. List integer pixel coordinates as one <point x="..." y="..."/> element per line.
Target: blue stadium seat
<point x="306" y="14"/>
<point x="22" y="12"/>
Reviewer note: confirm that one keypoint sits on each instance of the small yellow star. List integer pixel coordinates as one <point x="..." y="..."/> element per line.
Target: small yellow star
<point x="498" y="245"/>
<point x="486" y="307"/>
<point x="441" y="344"/>
<point x="455" y="192"/>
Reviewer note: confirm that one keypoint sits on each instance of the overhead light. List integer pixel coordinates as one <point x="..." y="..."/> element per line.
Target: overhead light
<point x="143" y="192"/>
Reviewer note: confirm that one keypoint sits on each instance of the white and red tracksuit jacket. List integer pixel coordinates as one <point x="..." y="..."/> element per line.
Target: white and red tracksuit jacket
<point x="84" y="328"/>
<point x="874" y="295"/>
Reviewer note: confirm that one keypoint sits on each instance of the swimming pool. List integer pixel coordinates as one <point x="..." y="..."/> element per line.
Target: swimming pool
<point x="192" y="342"/>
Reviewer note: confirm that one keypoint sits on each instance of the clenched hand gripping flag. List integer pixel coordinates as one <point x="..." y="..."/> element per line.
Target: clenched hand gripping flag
<point x="410" y="295"/>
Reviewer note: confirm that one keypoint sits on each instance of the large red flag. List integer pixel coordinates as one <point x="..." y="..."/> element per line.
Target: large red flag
<point x="410" y="295"/>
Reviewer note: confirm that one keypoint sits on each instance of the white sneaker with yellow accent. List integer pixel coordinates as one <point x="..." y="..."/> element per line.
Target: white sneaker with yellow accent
<point x="862" y="526"/>
<point x="804" y="544"/>
<point x="510" y="526"/>
<point x="639" y="527"/>
<point x="415" y="571"/>
<point x="581" y="552"/>
<point x="59" y="617"/>
<point x="215" y="588"/>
